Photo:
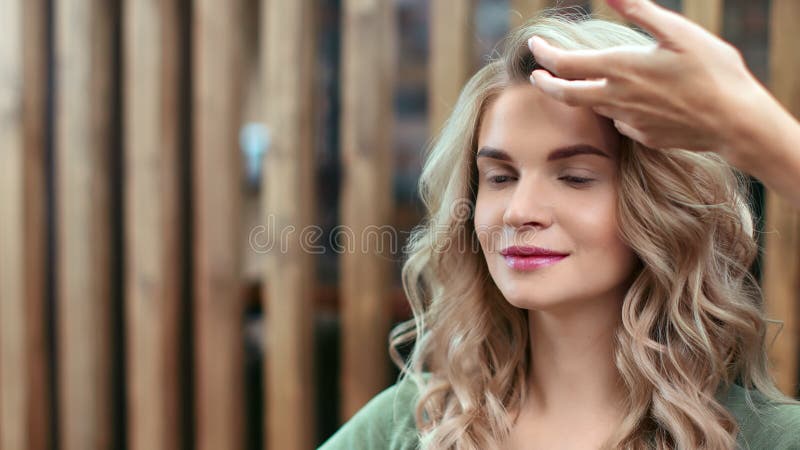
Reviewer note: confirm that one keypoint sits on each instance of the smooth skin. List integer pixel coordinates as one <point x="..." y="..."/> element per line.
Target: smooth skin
<point x="691" y="91"/>
<point x="527" y="196"/>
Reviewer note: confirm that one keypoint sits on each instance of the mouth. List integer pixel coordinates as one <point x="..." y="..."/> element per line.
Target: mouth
<point x="531" y="258"/>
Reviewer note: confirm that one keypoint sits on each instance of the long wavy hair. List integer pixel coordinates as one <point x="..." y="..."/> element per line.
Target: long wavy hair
<point x="692" y="320"/>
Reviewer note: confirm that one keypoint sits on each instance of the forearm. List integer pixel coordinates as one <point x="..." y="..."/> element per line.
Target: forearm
<point x="766" y="144"/>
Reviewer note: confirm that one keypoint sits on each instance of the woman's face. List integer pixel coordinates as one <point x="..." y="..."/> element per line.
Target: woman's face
<point x="547" y="179"/>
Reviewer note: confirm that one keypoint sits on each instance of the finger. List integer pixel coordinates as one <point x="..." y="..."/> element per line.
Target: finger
<point x="571" y="92"/>
<point x="587" y="63"/>
<point x="617" y="115"/>
<point x="631" y="132"/>
<point x="665" y="25"/>
<point x="607" y="111"/>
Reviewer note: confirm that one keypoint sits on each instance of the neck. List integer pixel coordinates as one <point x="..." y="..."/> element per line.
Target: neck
<point x="572" y="358"/>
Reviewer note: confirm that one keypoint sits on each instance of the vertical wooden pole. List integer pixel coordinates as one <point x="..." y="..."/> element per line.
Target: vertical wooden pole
<point x="781" y="280"/>
<point x="288" y="205"/>
<point x="707" y="13"/>
<point x="217" y="275"/>
<point x="451" y="59"/>
<point x="366" y="196"/>
<point x="154" y="223"/>
<point x="40" y="408"/>
<point x="14" y="387"/>
<point x="83" y="146"/>
<point x="25" y="405"/>
<point x="522" y="10"/>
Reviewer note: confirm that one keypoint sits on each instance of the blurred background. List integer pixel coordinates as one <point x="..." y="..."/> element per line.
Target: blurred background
<point x="203" y="206"/>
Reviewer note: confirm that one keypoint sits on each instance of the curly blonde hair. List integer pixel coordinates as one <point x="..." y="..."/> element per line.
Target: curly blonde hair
<point x="692" y="321"/>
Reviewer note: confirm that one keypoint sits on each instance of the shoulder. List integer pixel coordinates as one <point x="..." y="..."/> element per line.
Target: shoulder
<point x="385" y="422"/>
<point x="770" y="425"/>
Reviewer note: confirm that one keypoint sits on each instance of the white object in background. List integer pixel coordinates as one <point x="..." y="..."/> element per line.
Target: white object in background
<point x="254" y="141"/>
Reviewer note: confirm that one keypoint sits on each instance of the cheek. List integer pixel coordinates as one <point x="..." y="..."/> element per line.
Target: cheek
<point x="595" y="223"/>
<point x="485" y="218"/>
<point x="601" y="237"/>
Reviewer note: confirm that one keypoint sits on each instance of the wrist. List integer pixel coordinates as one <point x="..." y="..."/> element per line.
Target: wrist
<point x="756" y="131"/>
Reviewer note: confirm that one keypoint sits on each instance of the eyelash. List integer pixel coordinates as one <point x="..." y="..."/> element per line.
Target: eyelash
<point x="567" y="178"/>
<point x="576" y="180"/>
<point x="492" y="179"/>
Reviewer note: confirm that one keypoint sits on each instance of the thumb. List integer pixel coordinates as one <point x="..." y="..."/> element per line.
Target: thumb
<point x="662" y="23"/>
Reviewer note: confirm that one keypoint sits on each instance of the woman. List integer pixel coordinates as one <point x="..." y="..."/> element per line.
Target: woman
<point x="573" y="288"/>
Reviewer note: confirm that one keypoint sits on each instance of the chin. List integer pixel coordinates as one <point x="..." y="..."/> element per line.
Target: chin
<point x="538" y="303"/>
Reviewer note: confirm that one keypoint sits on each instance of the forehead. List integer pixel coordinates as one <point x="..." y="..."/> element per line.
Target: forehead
<point x="522" y="117"/>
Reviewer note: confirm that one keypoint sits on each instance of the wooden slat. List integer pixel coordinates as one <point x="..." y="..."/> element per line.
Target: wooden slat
<point x="252" y="112"/>
<point x="14" y="387"/>
<point x="40" y="407"/>
<point x="781" y="280"/>
<point x="707" y="13"/>
<point x="217" y="303"/>
<point x="154" y="224"/>
<point x="451" y="59"/>
<point x="25" y="405"/>
<point x="522" y="10"/>
<point x="601" y="8"/>
<point x="83" y="40"/>
<point x="366" y="196"/>
<point x="288" y="201"/>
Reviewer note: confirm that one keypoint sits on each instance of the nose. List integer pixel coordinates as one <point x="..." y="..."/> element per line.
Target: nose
<point x="529" y="206"/>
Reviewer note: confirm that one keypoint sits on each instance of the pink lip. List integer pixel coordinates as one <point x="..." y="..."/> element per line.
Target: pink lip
<point x="530" y="258"/>
<point x="516" y="250"/>
<point x="531" y="262"/>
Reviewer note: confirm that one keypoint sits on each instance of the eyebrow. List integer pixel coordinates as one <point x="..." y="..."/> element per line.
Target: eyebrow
<point x="556" y="154"/>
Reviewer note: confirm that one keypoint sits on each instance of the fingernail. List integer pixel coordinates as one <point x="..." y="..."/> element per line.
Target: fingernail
<point x="533" y="81"/>
<point x="530" y="43"/>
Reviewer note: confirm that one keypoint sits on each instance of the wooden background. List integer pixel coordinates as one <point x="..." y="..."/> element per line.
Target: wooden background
<point x="127" y="269"/>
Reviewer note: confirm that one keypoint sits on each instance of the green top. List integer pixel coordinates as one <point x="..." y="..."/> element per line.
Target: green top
<point x="387" y="422"/>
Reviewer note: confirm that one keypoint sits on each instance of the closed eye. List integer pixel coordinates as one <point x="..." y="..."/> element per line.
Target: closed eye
<point x="499" y="179"/>
<point x="502" y="179"/>
<point x="576" y="180"/>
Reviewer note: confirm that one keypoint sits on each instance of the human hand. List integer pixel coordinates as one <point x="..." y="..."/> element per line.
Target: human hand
<point x="689" y="90"/>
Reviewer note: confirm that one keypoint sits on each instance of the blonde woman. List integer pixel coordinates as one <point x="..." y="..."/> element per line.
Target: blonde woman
<point x="573" y="288"/>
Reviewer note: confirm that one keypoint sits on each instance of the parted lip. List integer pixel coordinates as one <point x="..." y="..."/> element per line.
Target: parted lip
<point x="516" y="250"/>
